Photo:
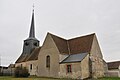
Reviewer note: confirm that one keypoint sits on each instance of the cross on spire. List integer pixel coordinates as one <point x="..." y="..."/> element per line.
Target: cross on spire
<point x="33" y="7"/>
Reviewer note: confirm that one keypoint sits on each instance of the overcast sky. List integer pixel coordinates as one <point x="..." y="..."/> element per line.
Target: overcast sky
<point x="65" y="18"/>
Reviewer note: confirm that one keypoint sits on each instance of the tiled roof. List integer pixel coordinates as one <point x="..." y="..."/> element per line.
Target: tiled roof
<point x="113" y="65"/>
<point x="81" y="44"/>
<point x="73" y="46"/>
<point x="33" y="56"/>
<point x="61" y="44"/>
<point x="74" y="58"/>
<point x="22" y="58"/>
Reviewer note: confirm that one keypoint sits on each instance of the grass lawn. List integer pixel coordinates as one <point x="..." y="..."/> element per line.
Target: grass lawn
<point x="31" y="78"/>
<point x="35" y="78"/>
<point x="110" y="78"/>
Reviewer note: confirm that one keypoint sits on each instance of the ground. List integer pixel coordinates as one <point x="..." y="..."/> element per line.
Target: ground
<point x="110" y="78"/>
<point x="35" y="78"/>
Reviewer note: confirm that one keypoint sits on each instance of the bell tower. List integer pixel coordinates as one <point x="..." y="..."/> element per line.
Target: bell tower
<point x="31" y="42"/>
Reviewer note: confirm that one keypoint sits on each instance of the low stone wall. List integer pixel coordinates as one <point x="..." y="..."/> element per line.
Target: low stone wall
<point x="113" y="74"/>
<point x="7" y="72"/>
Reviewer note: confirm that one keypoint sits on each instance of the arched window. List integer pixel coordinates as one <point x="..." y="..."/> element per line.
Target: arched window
<point x="48" y="61"/>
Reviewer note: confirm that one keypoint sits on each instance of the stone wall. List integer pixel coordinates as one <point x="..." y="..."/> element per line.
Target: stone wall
<point x="27" y="64"/>
<point x="34" y="69"/>
<point x="80" y="70"/>
<point x="48" y="49"/>
<point x="85" y="67"/>
<point x="113" y="73"/>
<point x="76" y="70"/>
<point x="7" y="72"/>
<point x="96" y="60"/>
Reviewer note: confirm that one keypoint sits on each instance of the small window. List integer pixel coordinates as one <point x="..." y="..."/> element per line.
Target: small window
<point x="37" y="69"/>
<point x="69" y="70"/>
<point x="48" y="61"/>
<point x="26" y="43"/>
<point x="35" y="44"/>
<point x="30" y="66"/>
<point x="21" y="65"/>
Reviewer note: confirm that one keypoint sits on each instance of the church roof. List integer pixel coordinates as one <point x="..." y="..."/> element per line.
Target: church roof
<point x="32" y="56"/>
<point x="74" y="58"/>
<point x="113" y="65"/>
<point x="61" y="44"/>
<point x="81" y="44"/>
<point x="21" y="58"/>
<point x="35" y="52"/>
<point x="77" y="45"/>
<point x="72" y="46"/>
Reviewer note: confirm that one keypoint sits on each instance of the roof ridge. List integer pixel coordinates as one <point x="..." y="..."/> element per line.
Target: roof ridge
<point x="81" y="44"/>
<point x="73" y="45"/>
<point x="72" y="38"/>
<point x="82" y="36"/>
<point x="113" y="62"/>
<point x="56" y="36"/>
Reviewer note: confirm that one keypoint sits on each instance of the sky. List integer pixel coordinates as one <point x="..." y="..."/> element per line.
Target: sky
<point x="65" y="18"/>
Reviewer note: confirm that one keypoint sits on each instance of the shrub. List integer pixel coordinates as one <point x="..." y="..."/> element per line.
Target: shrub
<point x="21" y="72"/>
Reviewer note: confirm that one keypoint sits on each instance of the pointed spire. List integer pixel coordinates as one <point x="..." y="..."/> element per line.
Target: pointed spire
<point x="32" y="30"/>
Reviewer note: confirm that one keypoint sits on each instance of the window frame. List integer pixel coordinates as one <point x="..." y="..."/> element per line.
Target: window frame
<point x="31" y="66"/>
<point x="35" y="44"/>
<point x="47" y="61"/>
<point x="69" y="68"/>
<point x="21" y="65"/>
<point x="26" y="43"/>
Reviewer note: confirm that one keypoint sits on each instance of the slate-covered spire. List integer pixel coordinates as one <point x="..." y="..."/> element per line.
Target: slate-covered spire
<point x="32" y="29"/>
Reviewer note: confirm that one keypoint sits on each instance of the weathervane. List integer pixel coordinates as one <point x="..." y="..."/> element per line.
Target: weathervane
<point x="33" y="6"/>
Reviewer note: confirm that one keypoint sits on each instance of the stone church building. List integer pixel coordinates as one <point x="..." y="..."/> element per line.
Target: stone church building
<point x="77" y="58"/>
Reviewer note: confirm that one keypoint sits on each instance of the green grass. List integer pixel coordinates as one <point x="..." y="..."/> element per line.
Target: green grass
<point x="110" y="78"/>
<point x="36" y="78"/>
<point x="30" y="78"/>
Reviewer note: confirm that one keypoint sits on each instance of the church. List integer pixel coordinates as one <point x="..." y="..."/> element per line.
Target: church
<point x="77" y="58"/>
